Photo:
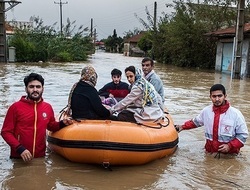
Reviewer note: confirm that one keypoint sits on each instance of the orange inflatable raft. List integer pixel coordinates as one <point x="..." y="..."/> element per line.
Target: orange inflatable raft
<point x="113" y="142"/>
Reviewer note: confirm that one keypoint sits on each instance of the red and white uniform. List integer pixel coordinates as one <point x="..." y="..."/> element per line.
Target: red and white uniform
<point x="223" y="125"/>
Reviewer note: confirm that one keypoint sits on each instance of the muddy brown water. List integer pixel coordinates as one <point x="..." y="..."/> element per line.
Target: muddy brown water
<point x="186" y="91"/>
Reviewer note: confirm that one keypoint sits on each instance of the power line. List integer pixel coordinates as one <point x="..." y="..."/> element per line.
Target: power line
<point x="123" y="18"/>
<point x="128" y="16"/>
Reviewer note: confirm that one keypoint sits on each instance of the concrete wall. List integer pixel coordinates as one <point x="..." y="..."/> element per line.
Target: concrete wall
<point x="126" y="49"/>
<point x="245" y="58"/>
<point x="218" y="61"/>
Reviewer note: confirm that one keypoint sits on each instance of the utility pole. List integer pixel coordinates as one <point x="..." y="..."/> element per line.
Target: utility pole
<point x="3" y="42"/>
<point x="60" y="4"/>
<point x="91" y="28"/>
<point x="239" y="35"/>
<point x="155" y="15"/>
<point x="154" y="29"/>
<point x="94" y="38"/>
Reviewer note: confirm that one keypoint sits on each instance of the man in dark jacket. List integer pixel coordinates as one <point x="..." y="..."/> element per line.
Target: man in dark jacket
<point x="115" y="89"/>
<point x="26" y="121"/>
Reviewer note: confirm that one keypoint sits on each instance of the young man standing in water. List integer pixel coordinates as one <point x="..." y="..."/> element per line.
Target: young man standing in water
<point x="115" y="89"/>
<point x="225" y="127"/>
<point x="152" y="77"/>
<point x="26" y="121"/>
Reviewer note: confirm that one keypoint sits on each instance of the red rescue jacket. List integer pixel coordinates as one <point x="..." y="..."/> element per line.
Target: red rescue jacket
<point x="25" y="126"/>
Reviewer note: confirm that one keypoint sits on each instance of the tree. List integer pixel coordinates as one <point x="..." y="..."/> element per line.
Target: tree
<point x="113" y="43"/>
<point x="130" y="33"/>
<point x="180" y="36"/>
<point x="145" y="43"/>
<point x="43" y="43"/>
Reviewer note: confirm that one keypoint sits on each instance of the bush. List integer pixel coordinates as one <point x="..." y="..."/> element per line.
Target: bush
<point x="63" y="57"/>
<point x="43" y="43"/>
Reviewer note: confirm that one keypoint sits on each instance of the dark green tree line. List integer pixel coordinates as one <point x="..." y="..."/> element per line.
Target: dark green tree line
<point x="44" y="43"/>
<point x="180" y="36"/>
<point x="113" y="43"/>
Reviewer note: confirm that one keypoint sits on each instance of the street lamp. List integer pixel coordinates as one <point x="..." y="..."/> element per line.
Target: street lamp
<point x="60" y="4"/>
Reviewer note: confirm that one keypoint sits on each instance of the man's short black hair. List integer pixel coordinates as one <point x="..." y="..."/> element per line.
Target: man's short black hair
<point x="116" y="72"/>
<point x="216" y="87"/>
<point x="32" y="77"/>
<point x="148" y="59"/>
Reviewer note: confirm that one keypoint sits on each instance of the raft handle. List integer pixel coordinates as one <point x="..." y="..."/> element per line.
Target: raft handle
<point x="106" y="165"/>
<point x="160" y="124"/>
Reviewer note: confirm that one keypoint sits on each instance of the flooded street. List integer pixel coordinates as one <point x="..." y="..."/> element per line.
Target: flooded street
<point x="186" y="93"/>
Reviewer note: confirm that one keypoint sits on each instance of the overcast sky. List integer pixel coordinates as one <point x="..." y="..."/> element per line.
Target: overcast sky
<point x="107" y="14"/>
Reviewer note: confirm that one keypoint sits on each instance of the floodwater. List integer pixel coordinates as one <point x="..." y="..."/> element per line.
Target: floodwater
<point x="186" y="91"/>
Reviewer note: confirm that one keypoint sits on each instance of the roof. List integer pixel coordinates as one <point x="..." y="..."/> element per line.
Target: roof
<point x="9" y="29"/>
<point x="135" y="38"/>
<point x="228" y="31"/>
<point x="98" y="43"/>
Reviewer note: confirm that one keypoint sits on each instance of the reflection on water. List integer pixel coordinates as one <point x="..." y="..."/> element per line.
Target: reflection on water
<point x="186" y="91"/>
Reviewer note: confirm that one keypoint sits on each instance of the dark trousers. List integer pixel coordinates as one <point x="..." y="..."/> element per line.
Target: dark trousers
<point x="124" y="115"/>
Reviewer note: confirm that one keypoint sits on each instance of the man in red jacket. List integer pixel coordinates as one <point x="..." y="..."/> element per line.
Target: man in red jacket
<point x="26" y="121"/>
<point x="225" y="127"/>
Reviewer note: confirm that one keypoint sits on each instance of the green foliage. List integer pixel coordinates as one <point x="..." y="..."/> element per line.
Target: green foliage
<point x="43" y="43"/>
<point x="113" y="43"/>
<point x="63" y="56"/>
<point x="145" y="43"/>
<point x="180" y="37"/>
<point x="24" y="49"/>
<point x="215" y="14"/>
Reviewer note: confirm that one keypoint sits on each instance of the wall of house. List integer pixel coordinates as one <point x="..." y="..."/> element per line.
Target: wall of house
<point x="126" y="49"/>
<point x="218" y="61"/>
<point x="248" y="64"/>
<point x="245" y="63"/>
<point x="227" y="57"/>
<point x="245" y="58"/>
